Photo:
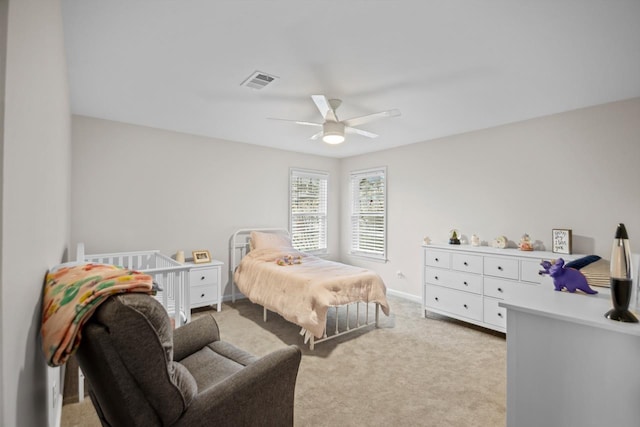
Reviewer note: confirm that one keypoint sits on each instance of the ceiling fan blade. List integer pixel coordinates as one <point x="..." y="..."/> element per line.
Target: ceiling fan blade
<point x="368" y="134"/>
<point x="317" y="135"/>
<point x="300" y="122"/>
<point x="371" y="117"/>
<point x="324" y="107"/>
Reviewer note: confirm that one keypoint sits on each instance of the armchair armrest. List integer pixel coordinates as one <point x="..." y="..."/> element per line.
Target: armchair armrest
<point x="193" y="336"/>
<point x="260" y="394"/>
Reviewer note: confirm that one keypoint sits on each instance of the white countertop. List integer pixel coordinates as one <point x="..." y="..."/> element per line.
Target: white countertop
<point x="578" y="307"/>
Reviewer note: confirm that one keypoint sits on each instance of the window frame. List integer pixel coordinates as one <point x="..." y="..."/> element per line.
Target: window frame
<point x="322" y="175"/>
<point x="357" y="176"/>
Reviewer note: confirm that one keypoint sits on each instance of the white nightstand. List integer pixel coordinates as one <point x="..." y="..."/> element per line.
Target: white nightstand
<point x="205" y="284"/>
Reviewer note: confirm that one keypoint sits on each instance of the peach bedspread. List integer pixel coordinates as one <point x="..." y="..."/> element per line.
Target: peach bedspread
<point x="302" y="293"/>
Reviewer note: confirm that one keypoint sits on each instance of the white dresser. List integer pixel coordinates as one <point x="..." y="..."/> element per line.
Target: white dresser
<point x="205" y="284"/>
<point x="467" y="282"/>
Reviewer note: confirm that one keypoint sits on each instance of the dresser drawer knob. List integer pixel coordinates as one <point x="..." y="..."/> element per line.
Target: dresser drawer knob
<point x="500" y="290"/>
<point x="202" y="296"/>
<point x="465" y="283"/>
<point x="499" y="314"/>
<point x="466" y="263"/>
<point x="437" y="260"/>
<point x="435" y="277"/>
<point x="465" y="306"/>
<point x="202" y="278"/>
<point x="436" y="298"/>
<point x="500" y="268"/>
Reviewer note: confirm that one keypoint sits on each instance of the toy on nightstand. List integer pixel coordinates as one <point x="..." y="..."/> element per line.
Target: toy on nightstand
<point x="568" y="278"/>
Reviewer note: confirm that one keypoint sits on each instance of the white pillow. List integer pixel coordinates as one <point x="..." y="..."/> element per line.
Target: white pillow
<point x="260" y="240"/>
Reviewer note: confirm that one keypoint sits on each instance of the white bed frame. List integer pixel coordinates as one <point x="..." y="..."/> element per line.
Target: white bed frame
<point x="239" y="246"/>
<point x="171" y="276"/>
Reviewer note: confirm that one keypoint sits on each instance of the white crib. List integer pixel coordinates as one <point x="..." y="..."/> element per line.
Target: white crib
<point x="171" y="276"/>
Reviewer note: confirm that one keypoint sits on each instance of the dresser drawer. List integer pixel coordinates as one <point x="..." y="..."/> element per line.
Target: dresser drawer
<point x="498" y="288"/>
<point x="529" y="271"/>
<point x="460" y="303"/>
<point x="494" y="314"/>
<point x="435" y="258"/>
<point x="467" y="263"/>
<point x="203" y="276"/>
<point x="203" y="295"/>
<point x="453" y="279"/>
<point x="501" y="267"/>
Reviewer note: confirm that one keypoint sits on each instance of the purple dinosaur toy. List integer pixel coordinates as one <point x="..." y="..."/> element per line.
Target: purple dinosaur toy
<point x="546" y="265"/>
<point x="568" y="278"/>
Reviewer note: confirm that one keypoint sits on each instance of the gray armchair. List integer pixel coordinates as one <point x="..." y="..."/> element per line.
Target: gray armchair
<point x="143" y="373"/>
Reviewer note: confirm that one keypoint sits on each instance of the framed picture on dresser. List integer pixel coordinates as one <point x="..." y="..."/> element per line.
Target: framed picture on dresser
<point x="561" y="240"/>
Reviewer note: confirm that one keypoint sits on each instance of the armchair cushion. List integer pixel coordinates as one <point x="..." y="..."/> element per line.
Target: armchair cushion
<point x="194" y="335"/>
<point x="142" y="333"/>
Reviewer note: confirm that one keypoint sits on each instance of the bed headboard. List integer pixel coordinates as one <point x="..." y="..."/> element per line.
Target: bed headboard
<point x="239" y="246"/>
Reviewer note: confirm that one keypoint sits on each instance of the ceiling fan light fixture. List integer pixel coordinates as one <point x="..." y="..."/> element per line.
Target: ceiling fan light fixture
<point x="333" y="132"/>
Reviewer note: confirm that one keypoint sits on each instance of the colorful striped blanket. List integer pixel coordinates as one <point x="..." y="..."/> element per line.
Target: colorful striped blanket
<point x="71" y="295"/>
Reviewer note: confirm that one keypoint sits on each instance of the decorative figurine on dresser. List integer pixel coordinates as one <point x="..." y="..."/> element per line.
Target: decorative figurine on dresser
<point x="525" y="243"/>
<point x="454" y="238"/>
<point x="500" y="242"/>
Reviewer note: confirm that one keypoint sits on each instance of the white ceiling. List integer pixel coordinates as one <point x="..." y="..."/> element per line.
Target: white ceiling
<point x="450" y="66"/>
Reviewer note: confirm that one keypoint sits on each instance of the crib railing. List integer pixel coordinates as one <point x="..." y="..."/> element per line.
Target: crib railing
<point x="171" y="277"/>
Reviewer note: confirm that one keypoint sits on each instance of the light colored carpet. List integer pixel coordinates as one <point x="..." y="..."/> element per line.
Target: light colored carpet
<point x="409" y="372"/>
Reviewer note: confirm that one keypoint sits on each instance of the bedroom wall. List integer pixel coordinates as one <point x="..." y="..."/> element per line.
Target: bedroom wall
<point x="36" y="155"/>
<point x="139" y="188"/>
<point x="578" y="170"/>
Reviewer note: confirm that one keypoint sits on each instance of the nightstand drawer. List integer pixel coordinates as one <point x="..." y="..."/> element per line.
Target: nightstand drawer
<point x="203" y="276"/>
<point x="501" y="267"/>
<point x="434" y="258"/>
<point x="456" y="302"/>
<point x="203" y="295"/>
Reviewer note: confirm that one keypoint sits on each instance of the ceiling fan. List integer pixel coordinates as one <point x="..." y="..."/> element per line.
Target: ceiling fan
<point x="333" y="130"/>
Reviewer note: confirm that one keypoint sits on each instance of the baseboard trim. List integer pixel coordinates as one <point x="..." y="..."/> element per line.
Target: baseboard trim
<point x="404" y="295"/>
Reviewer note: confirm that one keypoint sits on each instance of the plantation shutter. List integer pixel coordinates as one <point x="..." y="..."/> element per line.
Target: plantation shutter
<point x="368" y="213"/>
<point x="308" y="214"/>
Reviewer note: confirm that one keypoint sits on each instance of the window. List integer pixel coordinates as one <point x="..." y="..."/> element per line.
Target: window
<point x="308" y="210"/>
<point x="368" y="213"/>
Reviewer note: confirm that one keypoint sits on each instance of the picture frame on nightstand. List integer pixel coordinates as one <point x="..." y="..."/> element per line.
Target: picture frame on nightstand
<point x="561" y="241"/>
<point x="201" y="257"/>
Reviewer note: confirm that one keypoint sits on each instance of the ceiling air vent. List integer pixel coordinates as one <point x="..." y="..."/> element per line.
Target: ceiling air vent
<point x="258" y="80"/>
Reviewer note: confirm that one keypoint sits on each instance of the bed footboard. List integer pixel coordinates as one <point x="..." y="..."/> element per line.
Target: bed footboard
<point x="344" y="320"/>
